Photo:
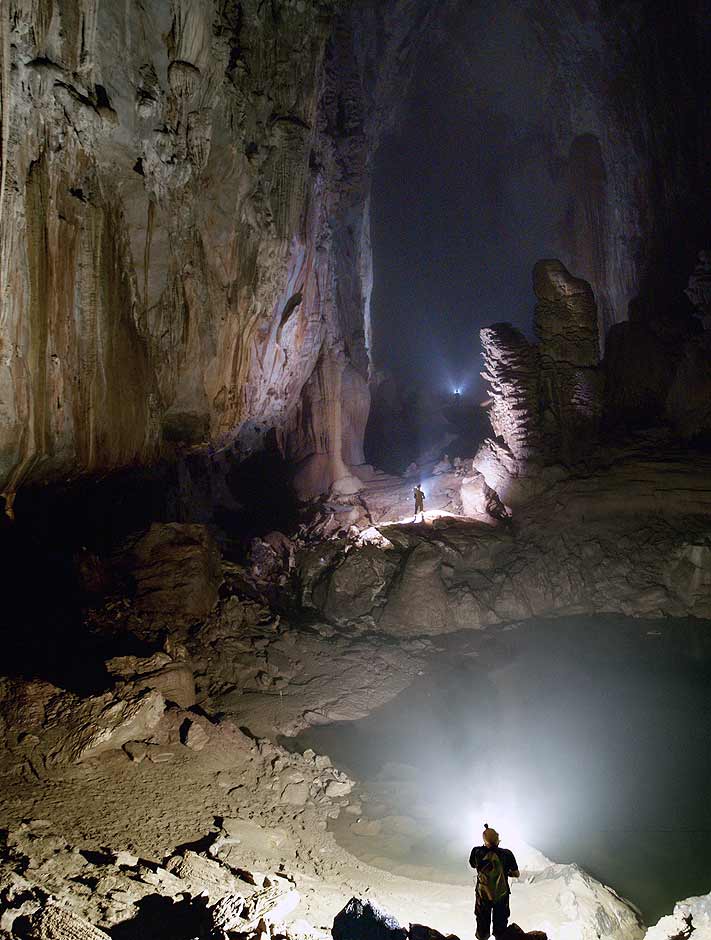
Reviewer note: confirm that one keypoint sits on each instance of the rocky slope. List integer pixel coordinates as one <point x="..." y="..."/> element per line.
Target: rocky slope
<point x="147" y="810"/>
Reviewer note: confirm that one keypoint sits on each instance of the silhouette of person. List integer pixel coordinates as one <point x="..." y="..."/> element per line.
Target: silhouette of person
<point x="494" y="866"/>
<point x="419" y="502"/>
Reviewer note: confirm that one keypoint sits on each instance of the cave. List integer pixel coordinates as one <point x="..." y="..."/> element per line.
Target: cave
<point x="355" y="462"/>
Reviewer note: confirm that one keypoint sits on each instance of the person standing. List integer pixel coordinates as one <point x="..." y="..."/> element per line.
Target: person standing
<point x="419" y="494"/>
<point x="494" y="866"/>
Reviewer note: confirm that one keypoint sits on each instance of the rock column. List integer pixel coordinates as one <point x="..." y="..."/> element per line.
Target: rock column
<point x="571" y="381"/>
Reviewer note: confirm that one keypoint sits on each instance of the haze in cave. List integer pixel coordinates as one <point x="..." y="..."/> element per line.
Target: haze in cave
<point x="355" y="438"/>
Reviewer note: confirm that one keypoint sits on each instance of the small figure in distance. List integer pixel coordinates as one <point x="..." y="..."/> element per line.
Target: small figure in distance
<point x="419" y="495"/>
<point x="494" y="866"/>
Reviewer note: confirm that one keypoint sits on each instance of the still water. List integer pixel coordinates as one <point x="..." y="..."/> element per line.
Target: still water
<point x="589" y="737"/>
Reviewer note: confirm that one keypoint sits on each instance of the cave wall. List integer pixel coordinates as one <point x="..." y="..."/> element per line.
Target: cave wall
<point x="629" y="143"/>
<point x="184" y="193"/>
<point x="184" y="219"/>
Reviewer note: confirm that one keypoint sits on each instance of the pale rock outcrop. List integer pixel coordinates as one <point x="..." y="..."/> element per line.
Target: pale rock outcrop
<point x="546" y="398"/>
<point x="47" y="726"/>
<point x="512" y="371"/>
<point x="510" y="460"/>
<point x="690" y="918"/>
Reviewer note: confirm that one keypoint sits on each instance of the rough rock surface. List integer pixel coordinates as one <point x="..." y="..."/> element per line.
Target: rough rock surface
<point x="45" y="726"/>
<point x="690" y="918"/>
<point x="185" y="199"/>
<point x="177" y="572"/>
<point x="546" y="398"/>
<point x="699" y="288"/>
<point x="569" y="346"/>
<point x="632" y="538"/>
<point x="362" y="920"/>
<point x="122" y="893"/>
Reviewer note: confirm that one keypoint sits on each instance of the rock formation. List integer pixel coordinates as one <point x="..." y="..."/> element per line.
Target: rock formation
<point x="546" y="398"/>
<point x="569" y="347"/>
<point x="690" y="918"/>
<point x="512" y="371"/>
<point x="185" y="225"/>
<point x="699" y="288"/>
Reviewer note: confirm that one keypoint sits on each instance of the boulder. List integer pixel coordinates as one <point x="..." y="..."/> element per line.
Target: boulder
<point x="417" y="604"/>
<point x="690" y="918"/>
<point x="173" y="679"/>
<point x="362" y="920"/>
<point x="203" y="875"/>
<point x="479" y="499"/>
<point x="514" y="932"/>
<point x="194" y="734"/>
<point x="77" y="729"/>
<point x="357" y="585"/>
<point x="53" y="922"/>
<point x="177" y="571"/>
<point x="275" y="902"/>
<point x="420" y="932"/>
<point x="226" y="915"/>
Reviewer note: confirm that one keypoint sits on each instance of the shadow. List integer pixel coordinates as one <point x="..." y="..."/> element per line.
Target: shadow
<point x="160" y="917"/>
<point x="199" y="845"/>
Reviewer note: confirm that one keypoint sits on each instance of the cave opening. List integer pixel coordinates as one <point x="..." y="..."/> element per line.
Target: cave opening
<point x="468" y="193"/>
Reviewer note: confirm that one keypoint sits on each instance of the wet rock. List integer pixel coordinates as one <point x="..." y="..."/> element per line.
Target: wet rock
<point x="335" y="789"/>
<point x="362" y="920"/>
<point x="690" y="918"/>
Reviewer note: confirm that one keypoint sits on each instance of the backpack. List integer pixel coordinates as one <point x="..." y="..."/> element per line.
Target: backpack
<point x="491" y="878"/>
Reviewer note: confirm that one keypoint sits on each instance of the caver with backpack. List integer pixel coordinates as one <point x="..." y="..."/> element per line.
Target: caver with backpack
<point x="494" y="866"/>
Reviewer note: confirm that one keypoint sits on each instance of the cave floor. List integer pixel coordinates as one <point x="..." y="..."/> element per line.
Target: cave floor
<point x="150" y="809"/>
